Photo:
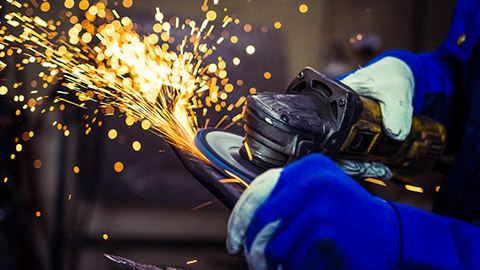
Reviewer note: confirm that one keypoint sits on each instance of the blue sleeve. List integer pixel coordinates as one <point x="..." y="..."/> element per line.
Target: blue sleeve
<point x="435" y="72"/>
<point x="464" y="30"/>
<point x="430" y="241"/>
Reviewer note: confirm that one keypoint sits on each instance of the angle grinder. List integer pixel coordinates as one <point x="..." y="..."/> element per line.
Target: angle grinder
<point x="318" y="114"/>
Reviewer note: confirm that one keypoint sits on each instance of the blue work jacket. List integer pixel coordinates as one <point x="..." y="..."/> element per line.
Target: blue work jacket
<point x="447" y="88"/>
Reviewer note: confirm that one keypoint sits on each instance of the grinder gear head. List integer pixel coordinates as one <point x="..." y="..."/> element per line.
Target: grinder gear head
<point x="314" y="115"/>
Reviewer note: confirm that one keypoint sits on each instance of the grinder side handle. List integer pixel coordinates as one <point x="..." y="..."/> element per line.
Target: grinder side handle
<point x="367" y="141"/>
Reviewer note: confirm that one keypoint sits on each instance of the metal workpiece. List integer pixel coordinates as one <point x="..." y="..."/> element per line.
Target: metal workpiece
<point x="211" y="178"/>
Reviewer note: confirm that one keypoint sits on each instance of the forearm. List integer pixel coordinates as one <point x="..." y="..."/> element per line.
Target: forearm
<point x="430" y="241"/>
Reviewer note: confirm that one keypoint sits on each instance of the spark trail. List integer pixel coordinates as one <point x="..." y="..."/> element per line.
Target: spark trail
<point x="146" y="78"/>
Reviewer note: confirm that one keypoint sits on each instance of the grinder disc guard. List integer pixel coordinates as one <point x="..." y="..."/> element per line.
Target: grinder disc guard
<point x="222" y="149"/>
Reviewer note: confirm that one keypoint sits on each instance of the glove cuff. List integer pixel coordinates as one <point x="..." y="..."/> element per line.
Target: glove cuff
<point x="432" y="241"/>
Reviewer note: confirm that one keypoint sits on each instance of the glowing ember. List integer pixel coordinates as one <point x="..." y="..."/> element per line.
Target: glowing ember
<point x="414" y="188"/>
<point x="250" y="49"/>
<point x="303" y="8"/>
<point x="118" y="167"/>
<point x="375" y="181"/>
<point x="201" y="206"/>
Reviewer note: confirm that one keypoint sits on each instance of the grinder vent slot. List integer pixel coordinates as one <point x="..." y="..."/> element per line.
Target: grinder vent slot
<point x="323" y="88"/>
<point x="334" y="108"/>
<point x="299" y="87"/>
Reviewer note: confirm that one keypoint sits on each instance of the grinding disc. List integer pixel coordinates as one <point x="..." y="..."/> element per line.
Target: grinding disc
<point x="221" y="148"/>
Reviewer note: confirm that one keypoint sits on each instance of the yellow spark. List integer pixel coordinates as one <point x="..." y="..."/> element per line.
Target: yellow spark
<point x="118" y="166"/>
<point x="375" y="181"/>
<point x="3" y="90"/>
<point x="105" y="236"/>
<point x="159" y="15"/>
<point x="226" y="21"/>
<point x="192" y="261"/>
<point x="201" y="205"/>
<point x="240" y="101"/>
<point x="136" y="146"/>
<point x="229" y="87"/>
<point x="211" y="15"/>
<point x="45" y="6"/>
<point x="237" y="117"/>
<point x="210" y="30"/>
<point x="303" y="8"/>
<point x="228" y="180"/>
<point x="240" y="180"/>
<point x="73" y="103"/>
<point x="414" y="188"/>
<point x="250" y="49"/>
<point x="112" y="134"/>
<point x="206" y="123"/>
<point x="221" y="121"/>
<point x="146" y="124"/>
<point x="69" y="4"/>
<point x="115" y="13"/>
<point x="129" y="120"/>
<point x="249" y="152"/>
<point x="234" y="121"/>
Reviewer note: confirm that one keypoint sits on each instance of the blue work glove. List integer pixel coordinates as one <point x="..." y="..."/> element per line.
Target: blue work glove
<point x="389" y="81"/>
<point x="311" y="215"/>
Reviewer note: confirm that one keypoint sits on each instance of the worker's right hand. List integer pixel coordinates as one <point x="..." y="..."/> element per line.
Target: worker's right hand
<point x="390" y="82"/>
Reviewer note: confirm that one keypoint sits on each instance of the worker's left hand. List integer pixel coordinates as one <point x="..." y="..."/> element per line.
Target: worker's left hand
<point x="311" y="215"/>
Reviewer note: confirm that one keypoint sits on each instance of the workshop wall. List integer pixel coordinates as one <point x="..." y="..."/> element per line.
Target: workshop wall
<point x="150" y="212"/>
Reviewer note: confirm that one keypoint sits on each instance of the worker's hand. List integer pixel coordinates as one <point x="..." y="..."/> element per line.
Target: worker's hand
<point x="311" y="215"/>
<point x="389" y="81"/>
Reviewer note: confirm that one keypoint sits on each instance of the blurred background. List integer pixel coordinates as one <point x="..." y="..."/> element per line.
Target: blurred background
<point x="64" y="202"/>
